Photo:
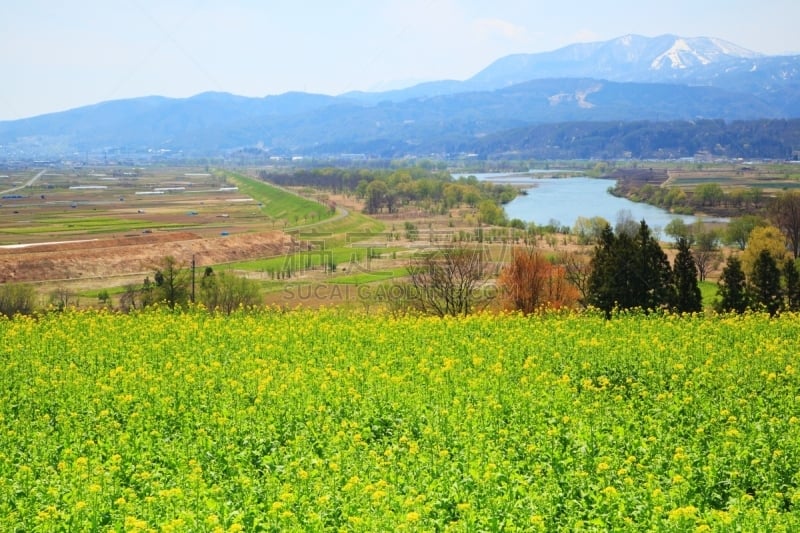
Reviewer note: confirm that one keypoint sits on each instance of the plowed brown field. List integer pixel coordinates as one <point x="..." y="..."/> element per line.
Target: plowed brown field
<point x="135" y="253"/>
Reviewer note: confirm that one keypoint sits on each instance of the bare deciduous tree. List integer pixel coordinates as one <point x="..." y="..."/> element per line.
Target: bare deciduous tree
<point x="61" y="298"/>
<point x="784" y="211"/>
<point x="706" y="252"/>
<point x="129" y="299"/>
<point x="172" y="282"/>
<point x="577" y="270"/>
<point x="446" y="281"/>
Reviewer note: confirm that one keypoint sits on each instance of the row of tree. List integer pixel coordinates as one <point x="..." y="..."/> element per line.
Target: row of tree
<point x="704" y="195"/>
<point x="23" y="299"/>
<point x="781" y="210"/>
<point x="386" y="191"/>
<point x="770" y="286"/>
<point x="632" y="271"/>
<point x="628" y="269"/>
<point x="174" y="286"/>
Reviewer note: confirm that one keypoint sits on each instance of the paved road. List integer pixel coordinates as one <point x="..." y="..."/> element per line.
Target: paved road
<point x="28" y="183"/>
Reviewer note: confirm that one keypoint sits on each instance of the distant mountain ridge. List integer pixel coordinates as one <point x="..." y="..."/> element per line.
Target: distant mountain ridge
<point x="631" y="78"/>
<point x="630" y="58"/>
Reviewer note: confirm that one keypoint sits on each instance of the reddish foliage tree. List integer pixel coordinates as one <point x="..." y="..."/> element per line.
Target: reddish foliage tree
<point x="530" y="283"/>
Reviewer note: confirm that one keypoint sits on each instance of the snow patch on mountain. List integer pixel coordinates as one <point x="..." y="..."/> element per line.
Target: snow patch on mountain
<point x="579" y="97"/>
<point x="679" y="56"/>
<point x="731" y="49"/>
<point x="699" y="51"/>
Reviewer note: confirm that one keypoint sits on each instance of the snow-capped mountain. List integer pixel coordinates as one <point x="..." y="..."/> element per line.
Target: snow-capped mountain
<point x="694" y="61"/>
<point x="665" y="58"/>
<point x="700" y="51"/>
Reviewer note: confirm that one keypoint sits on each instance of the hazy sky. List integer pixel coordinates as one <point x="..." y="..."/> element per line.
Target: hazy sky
<point x="57" y="54"/>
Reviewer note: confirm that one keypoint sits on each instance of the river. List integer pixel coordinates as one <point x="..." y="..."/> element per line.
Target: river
<point x="560" y="201"/>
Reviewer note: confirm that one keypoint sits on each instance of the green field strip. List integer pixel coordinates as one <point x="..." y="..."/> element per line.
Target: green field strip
<point x="280" y="204"/>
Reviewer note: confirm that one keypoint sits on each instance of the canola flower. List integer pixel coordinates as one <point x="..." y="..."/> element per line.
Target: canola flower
<point x="337" y="421"/>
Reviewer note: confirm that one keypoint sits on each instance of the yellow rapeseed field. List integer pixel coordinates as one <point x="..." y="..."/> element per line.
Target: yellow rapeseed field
<point x="339" y="421"/>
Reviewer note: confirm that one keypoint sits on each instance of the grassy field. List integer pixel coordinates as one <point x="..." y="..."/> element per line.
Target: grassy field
<point x="280" y="204"/>
<point x="340" y="257"/>
<point x="334" y="421"/>
<point x="82" y="224"/>
<point x="708" y="290"/>
<point x="371" y="276"/>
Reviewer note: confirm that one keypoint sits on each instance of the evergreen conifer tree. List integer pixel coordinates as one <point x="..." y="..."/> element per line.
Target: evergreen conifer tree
<point x="732" y="288"/>
<point x="688" y="298"/>
<point x="610" y="272"/>
<point x="792" y="278"/>
<point x="653" y="272"/>
<point x="766" y="283"/>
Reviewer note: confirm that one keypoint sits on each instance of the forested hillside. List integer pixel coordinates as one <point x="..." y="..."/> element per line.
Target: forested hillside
<point x="770" y="139"/>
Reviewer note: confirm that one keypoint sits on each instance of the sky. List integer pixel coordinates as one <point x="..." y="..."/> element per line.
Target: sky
<point x="57" y="55"/>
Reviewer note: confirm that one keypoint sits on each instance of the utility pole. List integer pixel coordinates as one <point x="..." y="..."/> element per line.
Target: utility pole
<point x="193" y="266"/>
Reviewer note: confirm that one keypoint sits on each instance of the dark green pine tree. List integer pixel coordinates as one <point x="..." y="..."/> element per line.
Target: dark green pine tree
<point x="688" y="298"/>
<point x="792" y="279"/>
<point x="622" y="275"/>
<point x="732" y="288"/>
<point x="766" y="283"/>
<point x="601" y="286"/>
<point x="653" y="273"/>
<point x="611" y="280"/>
